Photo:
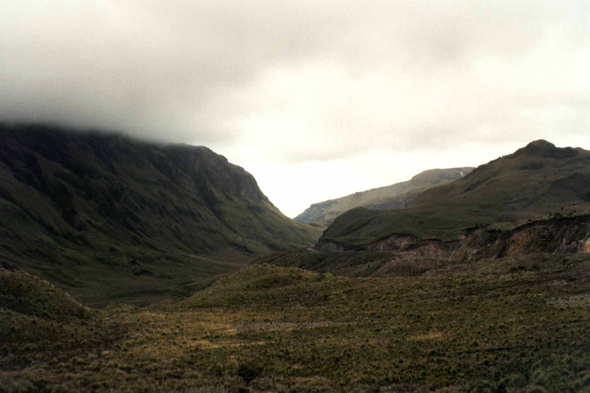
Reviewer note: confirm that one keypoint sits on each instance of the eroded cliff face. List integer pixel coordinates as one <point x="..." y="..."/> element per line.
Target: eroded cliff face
<point x="394" y="243"/>
<point x="406" y="255"/>
<point x="557" y="235"/>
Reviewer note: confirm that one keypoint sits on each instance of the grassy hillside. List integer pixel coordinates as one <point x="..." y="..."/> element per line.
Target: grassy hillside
<point x="536" y="181"/>
<point x="28" y="295"/>
<point x="352" y="263"/>
<point x="513" y="325"/>
<point x="37" y="316"/>
<point x="390" y="197"/>
<point x="146" y="219"/>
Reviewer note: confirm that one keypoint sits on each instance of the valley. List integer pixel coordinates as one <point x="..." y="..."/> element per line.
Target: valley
<point x="136" y="267"/>
<point x="294" y="196"/>
<point x="75" y="206"/>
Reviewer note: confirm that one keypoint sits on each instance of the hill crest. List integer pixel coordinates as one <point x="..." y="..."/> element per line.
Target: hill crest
<point x="534" y="182"/>
<point x="389" y="197"/>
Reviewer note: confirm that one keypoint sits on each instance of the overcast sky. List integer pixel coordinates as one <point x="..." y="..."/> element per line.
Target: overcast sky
<point x="316" y="98"/>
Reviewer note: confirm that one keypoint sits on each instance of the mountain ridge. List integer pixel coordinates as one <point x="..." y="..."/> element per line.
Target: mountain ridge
<point x="388" y="197"/>
<point x="104" y="203"/>
<point x="535" y="181"/>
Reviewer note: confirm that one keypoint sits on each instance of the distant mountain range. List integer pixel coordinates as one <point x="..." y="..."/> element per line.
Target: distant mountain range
<point x="394" y="196"/>
<point x="105" y="216"/>
<point x="539" y="180"/>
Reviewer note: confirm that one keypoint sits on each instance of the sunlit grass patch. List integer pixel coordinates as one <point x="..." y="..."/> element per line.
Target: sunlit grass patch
<point x="582" y="300"/>
<point x="429" y="336"/>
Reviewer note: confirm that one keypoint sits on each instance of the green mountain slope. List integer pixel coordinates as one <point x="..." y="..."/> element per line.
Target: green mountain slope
<point x="390" y="197"/>
<point x="536" y="181"/>
<point x="106" y="216"/>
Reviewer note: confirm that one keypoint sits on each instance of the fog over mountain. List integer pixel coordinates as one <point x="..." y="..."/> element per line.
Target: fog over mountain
<point x="316" y="99"/>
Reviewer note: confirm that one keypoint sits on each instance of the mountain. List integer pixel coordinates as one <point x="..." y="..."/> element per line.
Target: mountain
<point x="104" y="216"/>
<point x="390" y="197"/>
<point x="539" y="180"/>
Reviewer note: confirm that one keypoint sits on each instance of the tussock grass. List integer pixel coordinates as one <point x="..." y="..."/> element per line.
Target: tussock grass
<point x="490" y="326"/>
<point x="27" y="294"/>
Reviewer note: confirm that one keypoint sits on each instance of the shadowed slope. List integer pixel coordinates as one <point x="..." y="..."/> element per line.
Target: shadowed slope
<point x="77" y="206"/>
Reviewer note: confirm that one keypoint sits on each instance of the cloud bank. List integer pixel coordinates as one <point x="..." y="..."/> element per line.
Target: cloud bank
<point x="287" y="84"/>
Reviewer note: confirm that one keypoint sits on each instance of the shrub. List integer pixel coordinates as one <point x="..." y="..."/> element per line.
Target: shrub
<point x="515" y="381"/>
<point x="249" y="371"/>
<point x="536" y="389"/>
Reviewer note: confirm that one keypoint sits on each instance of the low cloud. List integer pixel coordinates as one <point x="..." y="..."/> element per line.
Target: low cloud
<point x="307" y="81"/>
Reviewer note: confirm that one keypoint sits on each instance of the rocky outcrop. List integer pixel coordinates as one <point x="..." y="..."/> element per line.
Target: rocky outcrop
<point x="407" y="255"/>
<point x="556" y="235"/>
<point x="393" y="243"/>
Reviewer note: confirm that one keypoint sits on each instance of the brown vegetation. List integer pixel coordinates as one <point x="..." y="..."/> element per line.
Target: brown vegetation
<point x="514" y="324"/>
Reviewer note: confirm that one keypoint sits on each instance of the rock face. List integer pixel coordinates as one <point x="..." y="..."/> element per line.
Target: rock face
<point x="91" y="203"/>
<point x="407" y="255"/>
<point x="394" y="196"/>
<point x="556" y="235"/>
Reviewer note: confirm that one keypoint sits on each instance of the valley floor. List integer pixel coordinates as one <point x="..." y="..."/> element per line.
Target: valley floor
<point x="509" y="325"/>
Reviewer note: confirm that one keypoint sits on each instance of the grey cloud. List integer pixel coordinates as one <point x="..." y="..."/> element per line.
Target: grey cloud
<point x="138" y="66"/>
<point x="176" y="70"/>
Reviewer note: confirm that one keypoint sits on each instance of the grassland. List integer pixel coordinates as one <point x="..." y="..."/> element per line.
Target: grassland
<point x="509" y="325"/>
